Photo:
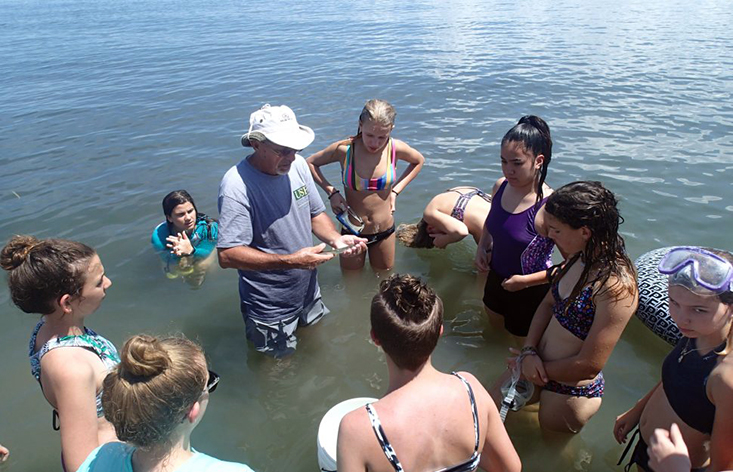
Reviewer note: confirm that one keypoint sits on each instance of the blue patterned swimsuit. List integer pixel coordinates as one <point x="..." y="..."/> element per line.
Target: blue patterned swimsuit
<point x="89" y="340"/>
<point x="577" y="319"/>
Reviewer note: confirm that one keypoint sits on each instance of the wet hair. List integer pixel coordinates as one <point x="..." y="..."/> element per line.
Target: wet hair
<point x="590" y="204"/>
<point x="726" y="298"/>
<point x="378" y="111"/>
<point x="406" y="317"/>
<point x="41" y="271"/>
<point x="415" y="235"/>
<point x="152" y="389"/>
<point x="179" y="197"/>
<point x="534" y="134"/>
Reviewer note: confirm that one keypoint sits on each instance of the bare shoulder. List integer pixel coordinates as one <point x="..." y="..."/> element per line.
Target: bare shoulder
<point x="619" y="294"/>
<point x="353" y="425"/>
<point x="478" y="388"/>
<point x="55" y="364"/>
<point x="720" y="382"/>
<point x="497" y="184"/>
<point x="407" y="153"/>
<point x="547" y="190"/>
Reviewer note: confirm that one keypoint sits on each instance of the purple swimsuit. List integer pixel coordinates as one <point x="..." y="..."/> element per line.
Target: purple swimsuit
<point x="518" y="249"/>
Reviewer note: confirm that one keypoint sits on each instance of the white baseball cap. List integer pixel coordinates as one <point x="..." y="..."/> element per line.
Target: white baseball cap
<point x="279" y="126"/>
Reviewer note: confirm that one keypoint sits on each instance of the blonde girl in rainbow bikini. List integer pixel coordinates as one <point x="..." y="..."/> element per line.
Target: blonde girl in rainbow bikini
<point x="371" y="186"/>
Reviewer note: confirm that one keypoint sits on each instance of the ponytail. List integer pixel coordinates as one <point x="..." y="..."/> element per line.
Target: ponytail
<point x="534" y="133"/>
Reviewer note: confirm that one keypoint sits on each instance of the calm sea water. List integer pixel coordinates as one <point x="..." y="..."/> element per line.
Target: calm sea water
<point x="107" y="106"/>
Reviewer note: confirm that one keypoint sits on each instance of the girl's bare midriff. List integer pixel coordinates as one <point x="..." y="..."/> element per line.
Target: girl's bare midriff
<point x="373" y="208"/>
<point x="658" y="413"/>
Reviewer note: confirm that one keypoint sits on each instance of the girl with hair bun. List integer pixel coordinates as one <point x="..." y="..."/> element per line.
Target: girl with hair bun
<point x="64" y="281"/>
<point x="435" y="421"/>
<point x="514" y="248"/>
<point x="581" y="319"/>
<point x="371" y="185"/>
<point x="155" y="398"/>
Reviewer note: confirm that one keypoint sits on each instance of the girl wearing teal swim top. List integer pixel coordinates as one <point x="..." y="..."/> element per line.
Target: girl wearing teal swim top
<point x="186" y="238"/>
<point x="155" y="398"/>
<point x="64" y="281"/>
<point x="369" y="175"/>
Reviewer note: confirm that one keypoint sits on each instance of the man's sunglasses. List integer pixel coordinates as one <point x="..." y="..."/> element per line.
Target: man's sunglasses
<point x="213" y="382"/>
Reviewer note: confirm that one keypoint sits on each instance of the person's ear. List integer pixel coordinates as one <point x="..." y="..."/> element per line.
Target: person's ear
<point x="441" y="330"/>
<point x="193" y="413"/>
<point x="586" y="233"/>
<point x="539" y="160"/>
<point x="374" y="337"/>
<point x="65" y="303"/>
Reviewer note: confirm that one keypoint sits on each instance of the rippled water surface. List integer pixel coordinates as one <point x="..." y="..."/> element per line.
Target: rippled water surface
<point x="107" y="106"/>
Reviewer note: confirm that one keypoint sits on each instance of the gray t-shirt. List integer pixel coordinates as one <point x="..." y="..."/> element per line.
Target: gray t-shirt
<point x="271" y="213"/>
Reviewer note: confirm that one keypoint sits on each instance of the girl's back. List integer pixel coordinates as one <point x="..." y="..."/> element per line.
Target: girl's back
<point x="428" y="423"/>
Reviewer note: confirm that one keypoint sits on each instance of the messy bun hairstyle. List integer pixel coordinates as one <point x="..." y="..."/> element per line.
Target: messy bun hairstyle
<point x="406" y="317"/>
<point x="153" y="387"/>
<point x="43" y="270"/>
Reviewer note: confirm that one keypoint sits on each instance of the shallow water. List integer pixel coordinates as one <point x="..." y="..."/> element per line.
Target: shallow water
<point x="107" y="106"/>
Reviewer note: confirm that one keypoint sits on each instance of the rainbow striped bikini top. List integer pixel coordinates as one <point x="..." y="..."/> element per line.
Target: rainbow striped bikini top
<point x="353" y="181"/>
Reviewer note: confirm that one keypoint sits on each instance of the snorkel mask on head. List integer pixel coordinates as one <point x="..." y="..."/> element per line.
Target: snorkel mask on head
<point x="347" y="219"/>
<point x="701" y="272"/>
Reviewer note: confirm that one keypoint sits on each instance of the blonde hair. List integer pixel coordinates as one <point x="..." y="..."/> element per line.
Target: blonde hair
<point x="415" y="235"/>
<point x="378" y="111"/>
<point x="153" y="387"/>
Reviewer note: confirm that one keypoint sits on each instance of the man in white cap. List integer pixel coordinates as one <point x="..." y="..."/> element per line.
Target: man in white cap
<point x="268" y="207"/>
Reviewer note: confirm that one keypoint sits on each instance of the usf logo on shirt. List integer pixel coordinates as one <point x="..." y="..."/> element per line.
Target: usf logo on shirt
<point x="300" y="192"/>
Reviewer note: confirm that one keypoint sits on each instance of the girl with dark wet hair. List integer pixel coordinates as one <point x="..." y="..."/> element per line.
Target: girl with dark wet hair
<point x="513" y="247"/>
<point x="581" y="319"/>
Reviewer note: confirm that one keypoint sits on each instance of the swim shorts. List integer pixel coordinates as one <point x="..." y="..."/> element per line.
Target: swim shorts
<point x="277" y="338"/>
<point x="517" y="308"/>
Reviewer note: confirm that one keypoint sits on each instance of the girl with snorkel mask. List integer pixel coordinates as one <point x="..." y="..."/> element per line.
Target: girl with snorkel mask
<point x="697" y="376"/>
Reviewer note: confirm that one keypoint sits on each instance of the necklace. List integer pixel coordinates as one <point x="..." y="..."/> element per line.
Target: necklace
<point x="686" y="350"/>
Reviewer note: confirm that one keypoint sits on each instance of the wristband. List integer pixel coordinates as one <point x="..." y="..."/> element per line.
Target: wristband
<point x="529" y="351"/>
<point x="335" y="191"/>
<point x="395" y="192"/>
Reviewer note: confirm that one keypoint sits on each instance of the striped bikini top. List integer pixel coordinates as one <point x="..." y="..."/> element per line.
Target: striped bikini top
<point x="351" y="180"/>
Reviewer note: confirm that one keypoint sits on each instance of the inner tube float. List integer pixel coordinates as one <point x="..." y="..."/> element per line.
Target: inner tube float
<point x="653" y="308"/>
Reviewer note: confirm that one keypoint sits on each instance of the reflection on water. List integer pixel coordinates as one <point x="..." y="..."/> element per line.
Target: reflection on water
<point x="108" y="106"/>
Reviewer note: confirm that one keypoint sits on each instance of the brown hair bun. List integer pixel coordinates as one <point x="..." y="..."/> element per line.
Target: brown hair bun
<point x="16" y="251"/>
<point x="143" y="356"/>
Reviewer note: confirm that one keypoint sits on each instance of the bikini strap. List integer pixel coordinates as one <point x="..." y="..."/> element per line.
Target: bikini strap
<point x="474" y="409"/>
<point x="387" y="448"/>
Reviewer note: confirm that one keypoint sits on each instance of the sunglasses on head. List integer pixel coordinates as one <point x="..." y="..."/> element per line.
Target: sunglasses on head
<point x="213" y="382"/>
